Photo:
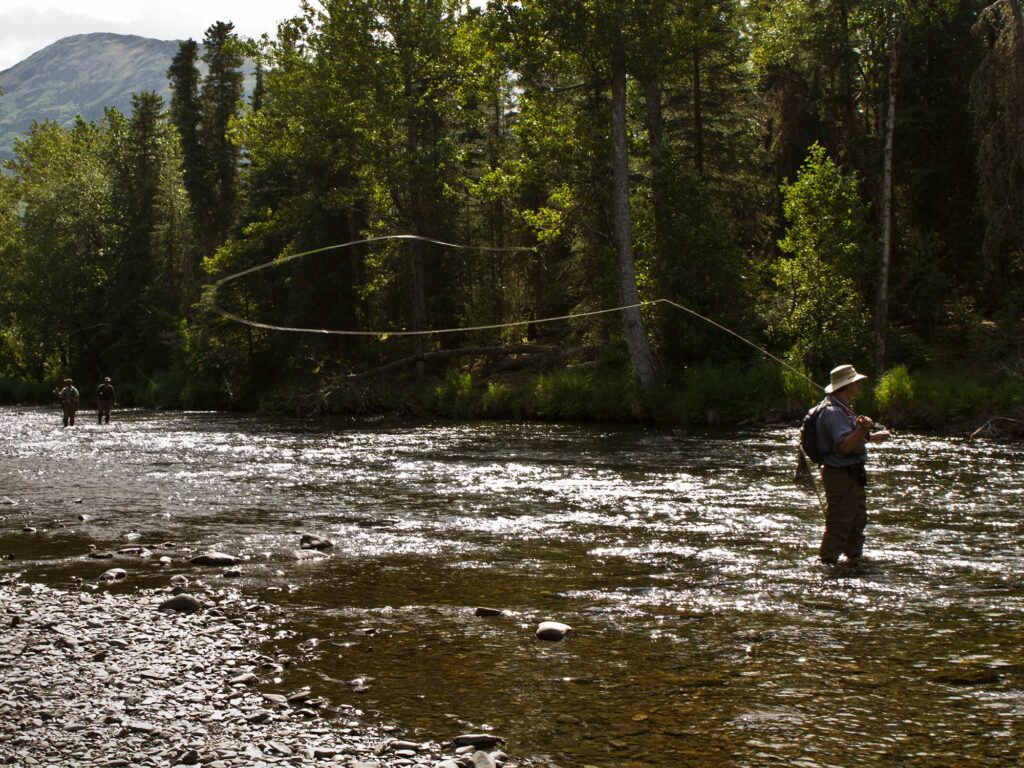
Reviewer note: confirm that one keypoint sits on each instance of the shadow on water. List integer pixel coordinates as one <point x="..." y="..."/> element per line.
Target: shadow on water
<point x="704" y="631"/>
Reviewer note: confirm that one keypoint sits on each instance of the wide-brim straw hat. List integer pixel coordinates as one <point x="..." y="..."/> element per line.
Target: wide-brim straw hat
<point x="842" y="376"/>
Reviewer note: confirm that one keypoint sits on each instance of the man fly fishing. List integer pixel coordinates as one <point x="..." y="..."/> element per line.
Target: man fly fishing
<point x="840" y="439"/>
<point x="104" y="400"/>
<point x="69" y="400"/>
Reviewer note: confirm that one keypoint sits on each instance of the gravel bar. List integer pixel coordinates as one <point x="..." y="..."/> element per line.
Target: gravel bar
<point x="93" y="678"/>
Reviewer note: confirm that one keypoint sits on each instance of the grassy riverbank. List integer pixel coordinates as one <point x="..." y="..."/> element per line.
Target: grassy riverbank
<point x="929" y="398"/>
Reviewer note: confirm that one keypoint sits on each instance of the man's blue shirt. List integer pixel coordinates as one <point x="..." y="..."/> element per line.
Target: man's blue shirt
<point x="835" y="423"/>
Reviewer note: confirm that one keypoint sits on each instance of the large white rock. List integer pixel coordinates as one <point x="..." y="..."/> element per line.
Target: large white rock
<point x="114" y="574"/>
<point x="552" y="630"/>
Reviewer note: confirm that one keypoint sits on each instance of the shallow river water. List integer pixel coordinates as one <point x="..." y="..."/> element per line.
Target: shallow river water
<point x="705" y="632"/>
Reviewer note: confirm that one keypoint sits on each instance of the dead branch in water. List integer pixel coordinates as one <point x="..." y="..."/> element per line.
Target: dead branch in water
<point x="990" y="430"/>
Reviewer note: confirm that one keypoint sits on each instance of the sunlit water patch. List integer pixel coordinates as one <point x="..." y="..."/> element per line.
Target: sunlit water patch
<point x="705" y="633"/>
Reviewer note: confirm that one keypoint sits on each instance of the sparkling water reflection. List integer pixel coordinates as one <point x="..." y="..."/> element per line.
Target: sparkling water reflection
<point x="706" y="634"/>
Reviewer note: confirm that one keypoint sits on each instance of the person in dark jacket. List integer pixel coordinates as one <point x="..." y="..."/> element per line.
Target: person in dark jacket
<point x="104" y="401"/>
<point x="69" y="400"/>
<point x="843" y="437"/>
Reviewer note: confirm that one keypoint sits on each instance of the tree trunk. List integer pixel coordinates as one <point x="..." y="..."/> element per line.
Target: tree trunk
<point x="636" y="335"/>
<point x="886" y="212"/>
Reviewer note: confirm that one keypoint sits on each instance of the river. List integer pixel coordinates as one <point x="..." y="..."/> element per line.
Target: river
<point x="705" y="632"/>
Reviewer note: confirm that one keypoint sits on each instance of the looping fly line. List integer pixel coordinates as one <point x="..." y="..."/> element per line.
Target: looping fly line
<point x="363" y="241"/>
<point x="215" y="308"/>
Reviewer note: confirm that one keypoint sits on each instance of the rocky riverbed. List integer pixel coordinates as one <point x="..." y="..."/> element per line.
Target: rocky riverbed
<point x="94" y="678"/>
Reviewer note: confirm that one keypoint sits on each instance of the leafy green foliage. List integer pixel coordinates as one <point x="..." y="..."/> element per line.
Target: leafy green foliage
<point x="59" y="272"/>
<point x="818" y="310"/>
<point x="893" y="394"/>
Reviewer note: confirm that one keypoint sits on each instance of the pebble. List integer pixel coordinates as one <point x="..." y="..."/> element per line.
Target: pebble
<point x="151" y="690"/>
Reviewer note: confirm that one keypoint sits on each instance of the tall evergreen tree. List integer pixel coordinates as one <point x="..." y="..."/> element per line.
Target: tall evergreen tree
<point x="186" y="116"/>
<point x="220" y="101"/>
<point x="150" y="273"/>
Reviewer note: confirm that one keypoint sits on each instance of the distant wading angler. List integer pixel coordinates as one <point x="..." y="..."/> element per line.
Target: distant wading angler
<point x="842" y="438"/>
<point x="69" y="400"/>
<point x="104" y="401"/>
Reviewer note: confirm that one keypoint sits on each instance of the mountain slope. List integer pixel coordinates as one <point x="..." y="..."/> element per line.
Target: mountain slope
<point x="81" y="75"/>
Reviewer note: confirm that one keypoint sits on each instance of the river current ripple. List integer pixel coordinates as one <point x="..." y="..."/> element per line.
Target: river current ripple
<point x="706" y="634"/>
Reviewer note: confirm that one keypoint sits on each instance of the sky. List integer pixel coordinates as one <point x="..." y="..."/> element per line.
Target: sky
<point x="27" y="26"/>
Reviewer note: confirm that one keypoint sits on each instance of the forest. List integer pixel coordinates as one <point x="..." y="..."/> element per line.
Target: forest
<point x="833" y="180"/>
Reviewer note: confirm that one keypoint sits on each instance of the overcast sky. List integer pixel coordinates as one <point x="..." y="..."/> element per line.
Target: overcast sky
<point x="27" y="26"/>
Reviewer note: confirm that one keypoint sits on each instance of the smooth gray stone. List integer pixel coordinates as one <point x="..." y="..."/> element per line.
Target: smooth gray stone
<point x="486" y="612"/>
<point x="114" y="574"/>
<point x="309" y="541"/>
<point x="134" y="552"/>
<point x="394" y="746"/>
<point x="483" y="760"/>
<point x="281" y="749"/>
<point x="182" y="604"/>
<point x="214" y="558"/>
<point x="307" y="554"/>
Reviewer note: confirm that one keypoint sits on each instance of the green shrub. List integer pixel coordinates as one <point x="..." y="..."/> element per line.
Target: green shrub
<point x="456" y="397"/>
<point x="800" y="389"/>
<point x="727" y="394"/>
<point x="894" y="394"/>
<point x="563" y="395"/>
<point x="502" y="401"/>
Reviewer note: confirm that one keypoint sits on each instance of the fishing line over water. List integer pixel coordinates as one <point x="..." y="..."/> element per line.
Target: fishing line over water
<point x="209" y="300"/>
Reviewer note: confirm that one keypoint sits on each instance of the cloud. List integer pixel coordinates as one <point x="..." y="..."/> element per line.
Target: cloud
<point x="27" y="29"/>
<point x="23" y="31"/>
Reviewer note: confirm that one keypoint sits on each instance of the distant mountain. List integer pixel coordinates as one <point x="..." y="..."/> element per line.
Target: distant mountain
<point x="81" y="75"/>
